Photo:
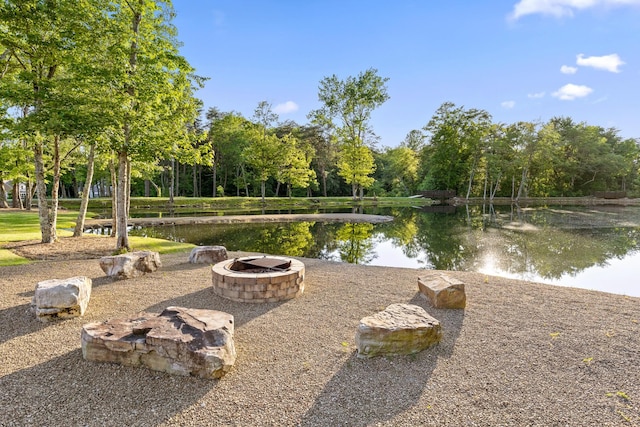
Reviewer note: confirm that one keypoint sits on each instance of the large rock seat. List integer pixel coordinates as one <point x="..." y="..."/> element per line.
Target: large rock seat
<point x="182" y="341"/>
<point x="443" y="291"/>
<point x="208" y="254"/>
<point x="61" y="298"/>
<point x="129" y="265"/>
<point x="398" y="330"/>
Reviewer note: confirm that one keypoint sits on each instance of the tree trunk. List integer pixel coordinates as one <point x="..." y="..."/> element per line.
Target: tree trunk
<point x="48" y="215"/>
<point x="147" y="188"/>
<point x="127" y="193"/>
<point x="262" y="189"/>
<point x="484" y="191"/>
<point x="16" y="201"/>
<point x="172" y="180"/>
<point x="176" y="191"/>
<point x="77" y="232"/>
<point x="471" y="175"/>
<point x="29" y="196"/>
<point x="277" y="188"/>
<point x="3" y="194"/>
<point x="195" y="180"/>
<point x="324" y="174"/>
<point x="121" y="208"/>
<point x="244" y="178"/>
<point x="158" y="189"/>
<point x="114" y="198"/>
<point x="522" y="183"/>
<point x="74" y="183"/>
<point x="215" y="177"/>
<point x="354" y="191"/>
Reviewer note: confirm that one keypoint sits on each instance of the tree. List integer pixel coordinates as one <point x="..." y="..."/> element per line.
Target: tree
<point x="414" y="141"/>
<point x="230" y="135"/>
<point x="42" y="42"/>
<point x="401" y="170"/>
<point x="456" y="143"/>
<point x="295" y="169"/>
<point x="264" y="155"/>
<point x="155" y="92"/>
<point x="346" y="110"/>
<point x="324" y="152"/>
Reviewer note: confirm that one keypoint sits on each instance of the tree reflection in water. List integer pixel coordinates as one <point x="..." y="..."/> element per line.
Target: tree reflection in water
<point x="530" y="243"/>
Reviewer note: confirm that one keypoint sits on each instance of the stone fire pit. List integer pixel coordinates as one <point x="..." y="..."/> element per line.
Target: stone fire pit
<point x="257" y="279"/>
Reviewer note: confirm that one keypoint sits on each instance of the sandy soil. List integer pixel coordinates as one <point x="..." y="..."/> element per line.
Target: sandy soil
<point x="520" y="354"/>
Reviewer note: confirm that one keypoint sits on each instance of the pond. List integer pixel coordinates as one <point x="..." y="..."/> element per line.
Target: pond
<point x="587" y="247"/>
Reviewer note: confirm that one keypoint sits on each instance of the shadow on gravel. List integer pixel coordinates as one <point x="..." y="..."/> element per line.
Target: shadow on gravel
<point x="184" y="266"/>
<point x="208" y="300"/>
<point x="69" y="390"/>
<point x="18" y="321"/>
<point x="369" y="391"/>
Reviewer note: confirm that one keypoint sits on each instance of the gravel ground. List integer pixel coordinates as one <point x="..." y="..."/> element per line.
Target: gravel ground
<point x="520" y="354"/>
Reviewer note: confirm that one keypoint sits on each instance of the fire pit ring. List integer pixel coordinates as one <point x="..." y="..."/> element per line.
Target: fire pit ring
<point x="257" y="279"/>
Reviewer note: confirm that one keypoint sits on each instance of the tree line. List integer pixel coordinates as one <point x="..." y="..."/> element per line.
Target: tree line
<point x="95" y="98"/>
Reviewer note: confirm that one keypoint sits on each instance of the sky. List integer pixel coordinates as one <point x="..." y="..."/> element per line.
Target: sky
<point x="527" y="60"/>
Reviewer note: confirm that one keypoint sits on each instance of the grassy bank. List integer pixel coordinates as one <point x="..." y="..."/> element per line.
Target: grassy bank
<point x="17" y="226"/>
<point x="236" y="203"/>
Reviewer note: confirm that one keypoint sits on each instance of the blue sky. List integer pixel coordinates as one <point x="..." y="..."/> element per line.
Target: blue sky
<point x="519" y="60"/>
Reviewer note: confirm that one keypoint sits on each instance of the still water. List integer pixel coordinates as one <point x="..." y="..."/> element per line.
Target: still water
<point x="586" y="247"/>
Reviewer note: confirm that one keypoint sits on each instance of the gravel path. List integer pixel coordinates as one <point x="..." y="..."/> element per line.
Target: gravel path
<point x="520" y="354"/>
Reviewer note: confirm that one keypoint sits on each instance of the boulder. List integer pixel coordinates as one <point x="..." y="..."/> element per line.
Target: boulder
<point x="399" y="329"/>
<point x="129" y="265"/>
<point x="207" y="254"/>
<point x="182" y="341"/>
<point x="443" y="291"/>
<point x="61" y="298"/>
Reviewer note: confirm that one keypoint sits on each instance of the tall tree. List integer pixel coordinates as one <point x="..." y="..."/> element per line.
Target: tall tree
<point x="346" y="111"/>
<point x="264" y="155"/>
<point x="155" y="91"/>
<point x="456" y="142"/>
<point x="42" y="41"/>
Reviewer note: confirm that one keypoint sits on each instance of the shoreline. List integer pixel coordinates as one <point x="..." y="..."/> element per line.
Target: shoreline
<point x="237" y="219"/>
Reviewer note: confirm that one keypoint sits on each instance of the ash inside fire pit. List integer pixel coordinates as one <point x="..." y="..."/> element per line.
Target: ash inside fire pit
<point x="260" y="265"/>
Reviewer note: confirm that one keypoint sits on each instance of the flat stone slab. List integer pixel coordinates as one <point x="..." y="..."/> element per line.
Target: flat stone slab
<point x="398" y="330"/>
<point x="208" y="254"/>
<point x="443" y="291"/>
<point x="129" y="265"/>
<point x="182" y="341"/>
<point x="61" y="298"/>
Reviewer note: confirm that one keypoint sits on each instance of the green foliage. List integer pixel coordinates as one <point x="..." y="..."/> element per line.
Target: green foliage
<point x="355" y="244"/>
<point x="468" y="153"/>
<point x="346" y="110"/>
<point x="456" y="143"/>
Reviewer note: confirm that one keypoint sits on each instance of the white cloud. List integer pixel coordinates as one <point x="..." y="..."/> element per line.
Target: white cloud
<point x="287" y="107"/>
<point x="606" y="62"/>
<point x="537" y="95"/>
<point x="508" y="104"/>
<point x="569" y="92"/>
<point x="565" y="69"/>
<point x="560" y="8"/>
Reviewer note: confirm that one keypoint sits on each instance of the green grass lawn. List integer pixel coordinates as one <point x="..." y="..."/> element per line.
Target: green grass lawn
<point x="16" y="226"/>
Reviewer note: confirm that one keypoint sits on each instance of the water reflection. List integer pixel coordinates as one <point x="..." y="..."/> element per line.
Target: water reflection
<point x="355" y="245"/>
<point x="561" y="245"/>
